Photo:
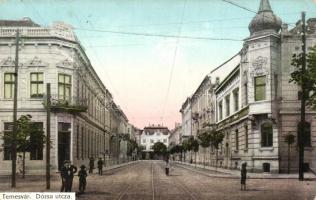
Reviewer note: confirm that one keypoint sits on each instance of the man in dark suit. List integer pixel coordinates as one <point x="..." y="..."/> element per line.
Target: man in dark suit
<point x="67" y="175"/>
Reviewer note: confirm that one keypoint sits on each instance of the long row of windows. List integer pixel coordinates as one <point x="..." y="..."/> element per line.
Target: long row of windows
<point x="235" y="95"/>
<point x="89" y="143"/>
<point x="37" y="85"/>
<point x="260" y="95"/>
<point x="267" y="135"/>
<point x="153" y="141"/>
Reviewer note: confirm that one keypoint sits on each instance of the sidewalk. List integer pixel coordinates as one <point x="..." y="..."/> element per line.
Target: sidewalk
<point x="227" y="173"/>
<point x="37" y="183"/>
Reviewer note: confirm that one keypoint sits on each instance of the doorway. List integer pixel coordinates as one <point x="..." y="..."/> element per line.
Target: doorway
<point x="63" y="143"/>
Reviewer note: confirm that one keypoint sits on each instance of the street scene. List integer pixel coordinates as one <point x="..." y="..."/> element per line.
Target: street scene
<point x="158" y="99"/>
<point x="146" y="180"/>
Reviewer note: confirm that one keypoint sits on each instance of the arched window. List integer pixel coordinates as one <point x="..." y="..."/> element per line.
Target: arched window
<point x="307" y="135"/>
<point x="266" y="134"/>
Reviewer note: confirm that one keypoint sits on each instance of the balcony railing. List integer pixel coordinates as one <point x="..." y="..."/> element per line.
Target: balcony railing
<point x="72" y="105"/>
<point x="38" y="32"/>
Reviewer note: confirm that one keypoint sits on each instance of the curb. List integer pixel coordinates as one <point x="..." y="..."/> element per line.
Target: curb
<point x="234" y="176"/>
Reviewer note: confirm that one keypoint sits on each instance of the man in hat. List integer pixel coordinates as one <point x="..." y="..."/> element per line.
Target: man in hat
<point x="67" y="175"/>
<point x="82" y="178"/>
<point x="100" y="165"/>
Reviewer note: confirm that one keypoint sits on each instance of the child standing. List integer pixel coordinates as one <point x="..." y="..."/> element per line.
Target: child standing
<point x="82" y="178"/>
<point x="243" y="176"/>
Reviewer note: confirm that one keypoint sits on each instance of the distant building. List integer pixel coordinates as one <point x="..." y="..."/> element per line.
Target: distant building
<point x="152" y="134"/>
<point x="175" y="135"/>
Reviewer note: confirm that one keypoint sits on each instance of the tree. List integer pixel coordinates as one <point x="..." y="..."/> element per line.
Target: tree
<point x="309" y="77"/>
<point x="289" y="139"/>
<point x="190" y="146"/>
<point x="29" y="136"/>
<point x="216" y="138"/>
<point x="185" y="147"/>
<point x="160" y="148"/>
<point x="195" y="148"/>
<point x="204" y="141"/>
<point x="304" y="76"/>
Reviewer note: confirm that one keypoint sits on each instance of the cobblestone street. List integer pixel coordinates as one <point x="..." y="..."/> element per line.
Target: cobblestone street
<point x="146" y="180"/>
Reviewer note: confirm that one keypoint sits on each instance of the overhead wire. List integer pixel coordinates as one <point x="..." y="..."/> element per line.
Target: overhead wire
<point x="173" y="61"/>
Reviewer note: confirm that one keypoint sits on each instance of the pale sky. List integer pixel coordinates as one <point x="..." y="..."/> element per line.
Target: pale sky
<point x="150" y="77"/>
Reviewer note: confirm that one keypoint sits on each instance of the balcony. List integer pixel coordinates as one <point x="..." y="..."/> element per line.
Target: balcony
<point x="73" y="106"/>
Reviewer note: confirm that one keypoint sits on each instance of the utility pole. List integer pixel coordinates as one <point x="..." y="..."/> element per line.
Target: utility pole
<point x="301" y="134"/>
<point x="15" y="105"/>
<point x="48" y="99"/>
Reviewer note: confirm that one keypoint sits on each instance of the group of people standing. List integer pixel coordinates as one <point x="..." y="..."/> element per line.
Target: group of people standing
<point x="68" y="171"/>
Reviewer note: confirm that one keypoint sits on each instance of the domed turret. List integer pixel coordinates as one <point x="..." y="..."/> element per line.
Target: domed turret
<point x="265" y="21"/>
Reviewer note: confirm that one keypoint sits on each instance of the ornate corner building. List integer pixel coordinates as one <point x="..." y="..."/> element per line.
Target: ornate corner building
<point x="254" y="104"/>
<point x="84" y="122"/>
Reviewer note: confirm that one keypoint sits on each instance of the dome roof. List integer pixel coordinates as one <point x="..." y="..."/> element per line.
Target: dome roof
<point x="265" y="20"/>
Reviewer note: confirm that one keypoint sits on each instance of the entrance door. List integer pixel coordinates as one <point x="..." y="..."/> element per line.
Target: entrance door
<point x="63" y="143"/>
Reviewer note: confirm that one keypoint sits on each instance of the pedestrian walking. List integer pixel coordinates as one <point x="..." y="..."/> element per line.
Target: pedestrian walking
<point x="82" y="178"/>
<point x="167" y="167"/>
<point x="91" y="165"/>
<point x="243" y="176"/>
<point x="100" y="165"/>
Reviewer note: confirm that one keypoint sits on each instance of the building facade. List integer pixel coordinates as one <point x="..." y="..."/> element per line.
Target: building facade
<point x="82" y="109"/>
<point x="152" y="134"/>
<point x="255" y="105"/>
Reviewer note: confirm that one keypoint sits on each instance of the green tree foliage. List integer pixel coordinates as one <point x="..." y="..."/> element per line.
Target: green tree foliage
<point x="309" y="77"/>
<point x="204" y="141"/>
<point x="160" y="148"/>
<point x="28" y="136"/>
<point x="216" y="138"/>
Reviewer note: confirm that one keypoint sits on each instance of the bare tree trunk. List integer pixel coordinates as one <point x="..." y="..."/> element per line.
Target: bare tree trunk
<point x="204" y="157"/>
<point x="23" y="165"/>
<point x="288" y="159"/>
<point x="216" y="160"/>
<point x="195" y="158"/>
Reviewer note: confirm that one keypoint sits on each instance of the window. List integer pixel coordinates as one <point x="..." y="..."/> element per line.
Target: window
<point x="236" y="99"/>
<point x="266" y="134"/>
<point x="227" y="102"/>
<point x="246" y="137"/>
<point x="144" y="140"/>
<point x="246" y="93"/>
<point x="152" y="141"/>
<point x="37" y="84"/>
<point x="220" y="110"/>
<point x="164" y="140"/>
<point x="260" y="88"/>
<point x="307" y="135"/>
<point x="36" y="146"/>
<point x="266" y="167"/>
<point x="9" y="85"/>
<point x="64" y="87"/>
<point x="8" y="127"/>
<point x="237" y="139"/>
